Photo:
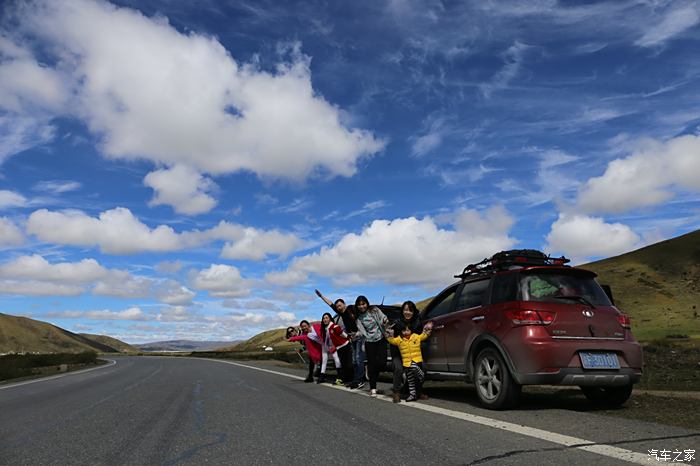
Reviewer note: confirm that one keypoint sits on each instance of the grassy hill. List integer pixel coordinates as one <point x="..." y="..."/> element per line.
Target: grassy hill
<point x="658" y="286"/>
<point x="118" y="345"/>
<point x="274" y="338"/>
<point x="21" y="334"/>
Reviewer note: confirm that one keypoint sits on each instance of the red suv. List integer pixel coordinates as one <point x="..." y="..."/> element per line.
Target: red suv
<point x="524" y="318"/>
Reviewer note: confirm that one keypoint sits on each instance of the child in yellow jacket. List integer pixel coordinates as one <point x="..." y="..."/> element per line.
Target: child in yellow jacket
<point x="411" y="356"/>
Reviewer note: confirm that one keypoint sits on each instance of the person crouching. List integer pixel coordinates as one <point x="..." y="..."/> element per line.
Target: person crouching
<point x="411" y="357"/>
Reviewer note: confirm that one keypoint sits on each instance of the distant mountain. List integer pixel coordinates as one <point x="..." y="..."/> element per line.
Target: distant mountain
<point x="183" y="345"/>
<point x="21" y="334"/>
<point x="658" y="286"/>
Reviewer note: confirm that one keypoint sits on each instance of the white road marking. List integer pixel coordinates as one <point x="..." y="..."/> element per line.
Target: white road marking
<point x="553" y="437"/>
<point x="44" y="379"/>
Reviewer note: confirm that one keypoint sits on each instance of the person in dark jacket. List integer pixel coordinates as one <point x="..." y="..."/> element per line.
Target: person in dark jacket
<point x="346" y="318"/>
<point x="410" y="318"/>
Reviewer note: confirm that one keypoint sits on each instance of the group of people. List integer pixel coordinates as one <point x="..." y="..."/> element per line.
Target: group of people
<point x="356" y="338"/>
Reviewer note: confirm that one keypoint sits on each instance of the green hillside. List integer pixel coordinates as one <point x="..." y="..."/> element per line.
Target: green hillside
<point x="118" y="345"/>
<point x="658" y="286"/>
<point x="21" y="334"/>
<point x="274" y="338"/>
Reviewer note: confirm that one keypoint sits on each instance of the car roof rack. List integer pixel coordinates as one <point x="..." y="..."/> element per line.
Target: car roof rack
<point x="513" y="258"/>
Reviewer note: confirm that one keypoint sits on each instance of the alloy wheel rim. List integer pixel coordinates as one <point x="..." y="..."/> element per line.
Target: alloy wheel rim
<point x="489" y="378"/>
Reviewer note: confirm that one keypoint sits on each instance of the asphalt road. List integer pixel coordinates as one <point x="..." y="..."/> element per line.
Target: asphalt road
<point x="173" y="411"/>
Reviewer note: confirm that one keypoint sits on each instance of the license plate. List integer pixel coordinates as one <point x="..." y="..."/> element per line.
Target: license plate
<point x="599" y="360"/>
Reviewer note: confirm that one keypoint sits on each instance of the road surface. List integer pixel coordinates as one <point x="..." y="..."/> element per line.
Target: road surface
<point x="186" y="411"/>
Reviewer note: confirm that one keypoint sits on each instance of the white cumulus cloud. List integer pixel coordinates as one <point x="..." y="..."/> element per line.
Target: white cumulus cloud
<point x="182" y="188"/>
<point x="10" y="234"/>
<point x="580" y="237"/>
<point x="222" y="281"/>
<point x="116" y="231"/>
<point x="132" y="313"/>
<point x="125" y="68"/>
<point x="35" y="267"/>
<point x="407" y="250"/>
<point x="645" y="178"/>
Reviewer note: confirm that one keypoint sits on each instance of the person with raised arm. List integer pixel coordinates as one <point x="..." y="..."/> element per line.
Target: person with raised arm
<point x="412" y="357"/>
<point x="410" y="317"/>
<point x="346" y="317"/>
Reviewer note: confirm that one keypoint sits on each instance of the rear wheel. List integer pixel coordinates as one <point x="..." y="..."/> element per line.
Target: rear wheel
<point x="608" y="396"/>
<point x="495" y="386"/>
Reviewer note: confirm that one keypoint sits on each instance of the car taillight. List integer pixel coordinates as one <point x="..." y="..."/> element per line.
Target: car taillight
<point x="624" y="321"/>
<point x="530" y="317"/>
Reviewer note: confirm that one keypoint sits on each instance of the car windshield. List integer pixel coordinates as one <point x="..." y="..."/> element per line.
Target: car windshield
<point x="558" y="287"/>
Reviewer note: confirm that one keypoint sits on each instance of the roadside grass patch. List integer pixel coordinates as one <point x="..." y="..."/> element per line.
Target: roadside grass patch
<point x="13" y="366"/>
<point x="671" y="364"/>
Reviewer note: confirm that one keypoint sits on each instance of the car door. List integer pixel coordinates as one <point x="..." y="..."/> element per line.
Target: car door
<point x="434" y="357"/>
<point x="464" y="323"/>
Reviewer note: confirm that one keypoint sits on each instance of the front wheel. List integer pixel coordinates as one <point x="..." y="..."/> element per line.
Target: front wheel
<point x="495" y="386"/>
<point x="608" y="396"/>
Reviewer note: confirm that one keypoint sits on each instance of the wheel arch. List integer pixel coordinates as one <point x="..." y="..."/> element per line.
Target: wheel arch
<point x="487" y="340"/>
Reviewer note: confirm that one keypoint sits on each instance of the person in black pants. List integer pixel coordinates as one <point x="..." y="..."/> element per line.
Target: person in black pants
<point x="410" y="318"/>
<point x="372" y="324"/>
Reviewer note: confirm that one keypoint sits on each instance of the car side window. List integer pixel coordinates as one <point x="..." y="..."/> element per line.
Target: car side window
<point x="505" y="288"/>
<point x="443" y="306"/>
<point x="473" y="294"/>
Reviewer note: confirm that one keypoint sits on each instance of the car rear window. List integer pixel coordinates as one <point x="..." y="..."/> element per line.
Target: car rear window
<point x="551" y="287"/>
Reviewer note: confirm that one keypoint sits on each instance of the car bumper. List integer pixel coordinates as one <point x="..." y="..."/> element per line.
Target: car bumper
<point x="581" y="377"/>
<point x="535" y="358"/>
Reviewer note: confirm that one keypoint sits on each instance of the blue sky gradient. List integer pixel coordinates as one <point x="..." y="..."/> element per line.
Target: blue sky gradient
<point x="195" y="169"/>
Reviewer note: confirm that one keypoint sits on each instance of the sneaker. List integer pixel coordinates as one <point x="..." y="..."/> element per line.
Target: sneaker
<point x="338" y="382"/>
<point x="354" y="386"/>
<point x="411" y="398"/>
<point x="308" y="380"/>
<point x="380" y="392"/>
<point x="396" y="397"/>
<point x="373" y="393"/>
<point x="321" y="378"/>
<point x="361" y="384"/>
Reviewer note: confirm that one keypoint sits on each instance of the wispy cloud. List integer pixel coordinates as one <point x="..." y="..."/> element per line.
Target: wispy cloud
<point x="675" y="22"/>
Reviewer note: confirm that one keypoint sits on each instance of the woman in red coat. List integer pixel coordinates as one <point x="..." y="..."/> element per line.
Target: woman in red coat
<point x="310" y="339"/>
<point x="335" y="338"/>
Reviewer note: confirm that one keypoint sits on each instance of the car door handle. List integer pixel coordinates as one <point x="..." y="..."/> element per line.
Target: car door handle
<point x="478" y="318"/>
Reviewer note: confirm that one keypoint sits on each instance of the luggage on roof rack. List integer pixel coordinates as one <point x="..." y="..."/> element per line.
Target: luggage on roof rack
<point x="514" y="257"/>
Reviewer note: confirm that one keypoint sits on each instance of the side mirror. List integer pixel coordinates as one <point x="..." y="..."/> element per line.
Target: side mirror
<point x="608" y="292"/>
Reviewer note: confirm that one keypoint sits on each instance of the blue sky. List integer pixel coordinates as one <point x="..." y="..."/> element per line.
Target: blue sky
<point x="195" y="169"/>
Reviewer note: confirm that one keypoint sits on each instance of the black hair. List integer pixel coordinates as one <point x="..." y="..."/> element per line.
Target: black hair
<point x="415" y="322"/>
<point x="335" y="303"/>
<point x="290" y="329"/>
<point x="323" y="327"/>
<point x="412" y="307"/>
<point x="304" y="322"/>
<point x="361" y="299"/>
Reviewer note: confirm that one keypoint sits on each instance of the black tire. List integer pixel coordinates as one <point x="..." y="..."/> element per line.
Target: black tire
<point x="608" y="396"/>
<point x="494" y="384"/>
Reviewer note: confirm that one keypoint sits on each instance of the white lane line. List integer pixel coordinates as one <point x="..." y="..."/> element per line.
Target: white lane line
<point x="553" y="437"/>
<point x="44" y="379"/>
